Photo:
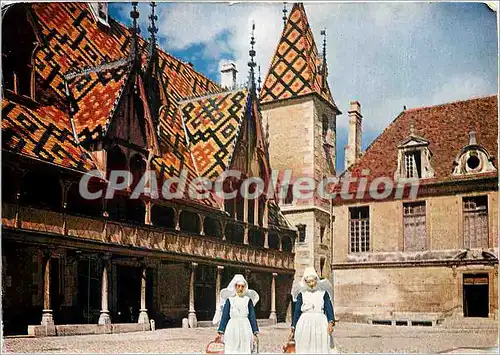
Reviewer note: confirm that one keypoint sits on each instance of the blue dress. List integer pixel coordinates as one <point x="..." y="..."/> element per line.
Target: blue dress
<point x="238" y="324"/>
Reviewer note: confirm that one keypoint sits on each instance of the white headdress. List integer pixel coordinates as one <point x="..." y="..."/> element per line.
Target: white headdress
<point x="230" y="291"/>
<point x="322" y="285"/>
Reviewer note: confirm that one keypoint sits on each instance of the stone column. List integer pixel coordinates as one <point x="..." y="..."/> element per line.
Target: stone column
<point x="148" y="206"/>
<point x="280" y="238"/>
<point x="177" y="218"/>
<point x="104" y="317"/>
<point x="245" y="219"/>
<point x="192" y="321"/>
<point x="272" y="316"/>
<point x="202" y="222"/>
<point x="256" y="211"/>
<point x="47" y="311"/>
<point x="223" y="226"/>
<point x="266" y="239"/>
<point x="143" y="315"/>
<point x="217" y="286"/>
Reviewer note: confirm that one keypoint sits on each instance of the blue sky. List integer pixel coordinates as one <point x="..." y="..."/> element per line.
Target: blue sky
<point x="385" y="55"/>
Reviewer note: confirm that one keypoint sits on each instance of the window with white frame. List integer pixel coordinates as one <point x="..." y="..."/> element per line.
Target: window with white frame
<point x="359" y="229"/>
<point x="415" y="230"/>
<point x="475" y="211"/>
<point x="412" y="164"/>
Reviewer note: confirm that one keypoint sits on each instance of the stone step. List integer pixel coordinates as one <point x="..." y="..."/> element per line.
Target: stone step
<point x="470" y="323"/>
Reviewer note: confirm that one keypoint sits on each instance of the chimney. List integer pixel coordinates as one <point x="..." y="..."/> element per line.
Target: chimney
<point x="228" y="75"/>
<point x="353" y="147"/>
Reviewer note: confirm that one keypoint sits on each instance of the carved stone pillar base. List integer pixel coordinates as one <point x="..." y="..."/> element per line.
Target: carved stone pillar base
<point x="47" y="317"/>
<point x="104" y="318"/>
<point x="143" y="316"/>
<point x="192" y="321"/>
<point x="273" y="317"/>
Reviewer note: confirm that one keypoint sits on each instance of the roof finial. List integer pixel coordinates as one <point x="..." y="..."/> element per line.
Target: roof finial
<point x="251" y="63"/>
<point x="134" y="14"/>
<point x="259" y="81"/>
<point x="324" y="69"/>
<point x="153" y="30"/>
<point x="472" y="138"/>
<point x="284" y="14"/>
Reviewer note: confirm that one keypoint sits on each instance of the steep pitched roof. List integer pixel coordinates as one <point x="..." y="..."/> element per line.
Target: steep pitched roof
<point x="445" y="126"/>
<point x="295" y="68"/>
<point x="95" y="95"/>
<point x="213" y="123"/>
<point x="40" y="134"/>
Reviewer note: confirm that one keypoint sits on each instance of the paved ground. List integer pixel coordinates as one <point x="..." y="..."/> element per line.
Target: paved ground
<point x="350" y="338"/>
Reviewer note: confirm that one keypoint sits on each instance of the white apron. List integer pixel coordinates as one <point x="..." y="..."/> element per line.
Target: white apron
<point x="238" y="337"/>
<point x="311" y="331"/>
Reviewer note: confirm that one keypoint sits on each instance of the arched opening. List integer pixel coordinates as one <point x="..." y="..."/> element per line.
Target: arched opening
<point x="273" y="240"/>
<point x="137" y="166"/>
<point x="212" y="227"/>
<point x="77" y="204"/>
<point x="189" y="222"/>
<point x="18" y="44"/>
<point x="163" y="216"/>
<point x="136" y="211"/>
<point x="262" y="204"/>
<point x="289" y="195"/>
<point x="287" y="243"/>
<point x="235" y="233"/>
<point x="41" y="191"/>
<point x="8" y="185"/>
<point x="116" y="160"/>
<point x="256" y="237"/>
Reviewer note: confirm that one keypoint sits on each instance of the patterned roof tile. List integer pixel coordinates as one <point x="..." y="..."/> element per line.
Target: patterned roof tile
<point x="212" y="124"/>
<point x="296" y="66"/>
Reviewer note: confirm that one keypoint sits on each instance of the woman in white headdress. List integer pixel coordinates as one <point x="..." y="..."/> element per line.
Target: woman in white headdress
<point x="237" y="318"/>
<point x="313" y="318"/>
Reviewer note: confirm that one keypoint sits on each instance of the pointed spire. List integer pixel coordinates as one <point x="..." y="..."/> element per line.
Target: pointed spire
<point x="284" y="14"/>
<point x="134" y="14"/>
<point x="153" y="30"/>
<point x="324" y="68"/>
<point x="267" y="130"/>
<point x="251" y="63"/>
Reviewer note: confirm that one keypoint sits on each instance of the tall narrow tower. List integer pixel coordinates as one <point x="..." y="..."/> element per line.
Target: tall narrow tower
<point x="296" y="101"/>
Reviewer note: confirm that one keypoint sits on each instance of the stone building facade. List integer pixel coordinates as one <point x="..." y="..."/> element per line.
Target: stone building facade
<point x="300" y="112"/>
<point x="83" y="93"/>
<point x="405" y="260"/>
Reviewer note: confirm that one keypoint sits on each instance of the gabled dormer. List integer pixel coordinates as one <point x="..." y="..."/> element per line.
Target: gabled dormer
<point x="414" y="158"/>
<point x="100" y="12"/>
<point x="473" y="159"/>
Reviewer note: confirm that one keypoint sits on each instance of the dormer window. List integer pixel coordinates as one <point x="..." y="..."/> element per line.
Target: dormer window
<point x="17" y="51"/>
<point x="414" y="158"/>
<point x="100" y="12"/>
<point x="473" y="159"/>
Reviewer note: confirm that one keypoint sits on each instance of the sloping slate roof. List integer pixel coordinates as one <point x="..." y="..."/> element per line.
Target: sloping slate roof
<point x="213" y="124"/>
<point x="38" y="133"/>
<point x="445" y="126"/>
<point x="295" y="68"/>
<point x="95" y="97"/>
<point x="276" y="217"/>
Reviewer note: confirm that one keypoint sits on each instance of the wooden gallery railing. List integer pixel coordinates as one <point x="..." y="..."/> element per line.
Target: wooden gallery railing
<point x="141" y="236"/>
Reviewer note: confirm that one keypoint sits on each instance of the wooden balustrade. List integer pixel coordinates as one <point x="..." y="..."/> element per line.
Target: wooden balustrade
<point x="146" y="236"/>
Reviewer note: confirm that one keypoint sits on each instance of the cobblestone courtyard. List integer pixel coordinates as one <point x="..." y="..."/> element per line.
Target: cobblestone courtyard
<point x="350" y="338"/>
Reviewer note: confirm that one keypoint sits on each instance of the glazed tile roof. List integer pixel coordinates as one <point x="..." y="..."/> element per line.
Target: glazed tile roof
<point x="94" y="97"/>
<point x="295" y="68"/>
<point x="38" y="133"/>
<point x="213" y="124"/>
<point x="445" y="126"/>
